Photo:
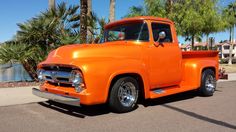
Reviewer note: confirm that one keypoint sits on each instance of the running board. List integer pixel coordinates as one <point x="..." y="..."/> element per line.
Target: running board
<point x="159" y="91"/>
<point x="169" y="91"/>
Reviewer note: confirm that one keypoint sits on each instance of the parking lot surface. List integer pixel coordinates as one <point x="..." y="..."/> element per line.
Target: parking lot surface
<point x="183" y="112"/>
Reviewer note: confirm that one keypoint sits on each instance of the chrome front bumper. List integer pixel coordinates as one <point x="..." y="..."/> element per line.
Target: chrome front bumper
<point x="57" y="98"/>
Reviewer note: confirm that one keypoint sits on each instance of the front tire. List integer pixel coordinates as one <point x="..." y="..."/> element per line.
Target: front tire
<point x="208" y="83"/>
<point x="123" y="95"/>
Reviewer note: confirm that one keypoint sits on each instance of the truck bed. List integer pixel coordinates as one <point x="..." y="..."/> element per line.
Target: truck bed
<point x="199" y="54"/>
<point x="193" y="63"/>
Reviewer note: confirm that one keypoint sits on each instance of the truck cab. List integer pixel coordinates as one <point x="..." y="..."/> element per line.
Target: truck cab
<point x="137" y="58"/>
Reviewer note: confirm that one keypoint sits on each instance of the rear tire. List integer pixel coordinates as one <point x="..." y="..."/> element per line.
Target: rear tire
<point x="208" y="83"/>
<point x="123" y="95"/>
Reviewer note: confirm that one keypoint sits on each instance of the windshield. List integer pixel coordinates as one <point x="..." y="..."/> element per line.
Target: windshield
<point x="129" y="31"/>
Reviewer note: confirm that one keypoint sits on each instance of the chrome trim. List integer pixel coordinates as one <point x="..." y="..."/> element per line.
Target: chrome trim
<point x="57" y="98"/>
<point x="57" y="76"/>
<point x="159" y="91"/>
<point x="210" y="83"/>
<point x="127" y="94"/>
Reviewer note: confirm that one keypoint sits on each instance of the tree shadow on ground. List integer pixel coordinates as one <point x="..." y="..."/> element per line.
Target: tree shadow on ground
<point x="164" y="101"/>
<point x="200" y="117"/>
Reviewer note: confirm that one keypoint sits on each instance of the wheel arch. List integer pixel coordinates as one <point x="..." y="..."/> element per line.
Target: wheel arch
<point x="134" y="75"/>
<point x="204" y="69"/>
<point x="210" y="67"/>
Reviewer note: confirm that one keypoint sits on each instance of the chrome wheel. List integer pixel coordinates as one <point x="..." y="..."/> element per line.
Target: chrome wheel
<point x="124" y="95"/>
<point x="127" y="94"/>
<point x="210" y="83"/>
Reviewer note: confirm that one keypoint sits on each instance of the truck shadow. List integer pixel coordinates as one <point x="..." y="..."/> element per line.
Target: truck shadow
<point x="76" y="111"/>
<point x="97" y="110"/>
<point x="169" y="99"/>
<point x="172" y="98"/>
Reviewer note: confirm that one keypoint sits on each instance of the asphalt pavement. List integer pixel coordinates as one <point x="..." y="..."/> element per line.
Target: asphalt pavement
<point x="18" y="95"/>
<point x="183" y="112"/>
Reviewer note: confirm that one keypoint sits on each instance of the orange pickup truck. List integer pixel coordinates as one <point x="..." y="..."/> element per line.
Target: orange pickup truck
<point x="137" y="58"/>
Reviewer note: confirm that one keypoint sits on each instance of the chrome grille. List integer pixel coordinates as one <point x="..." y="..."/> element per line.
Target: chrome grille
<point x="57" y="76"/>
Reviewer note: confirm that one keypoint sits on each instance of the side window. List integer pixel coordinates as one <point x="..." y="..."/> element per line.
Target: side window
<point x="159" y="27"/>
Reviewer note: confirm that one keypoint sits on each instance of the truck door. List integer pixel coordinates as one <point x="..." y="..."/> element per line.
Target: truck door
<point x="164" y="56"/>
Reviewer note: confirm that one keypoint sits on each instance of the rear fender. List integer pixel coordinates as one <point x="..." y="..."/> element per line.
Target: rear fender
<point x="192" y="71"/>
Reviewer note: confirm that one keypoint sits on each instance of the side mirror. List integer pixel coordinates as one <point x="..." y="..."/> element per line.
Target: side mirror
<point x="162" y="35"/>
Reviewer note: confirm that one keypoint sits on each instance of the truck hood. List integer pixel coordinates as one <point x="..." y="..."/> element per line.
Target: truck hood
<point x="72" y="54"/>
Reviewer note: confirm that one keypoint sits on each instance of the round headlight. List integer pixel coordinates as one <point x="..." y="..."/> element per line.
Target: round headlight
<point x="40" y="75"/>
<point x="75" y="77"/>
<point x="77" y="80"/>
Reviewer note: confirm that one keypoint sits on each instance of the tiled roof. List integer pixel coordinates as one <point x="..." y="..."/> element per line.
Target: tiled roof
<point x="225" y="43"/>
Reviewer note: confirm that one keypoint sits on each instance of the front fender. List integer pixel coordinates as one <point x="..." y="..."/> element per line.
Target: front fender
<point x="99" y="74"/>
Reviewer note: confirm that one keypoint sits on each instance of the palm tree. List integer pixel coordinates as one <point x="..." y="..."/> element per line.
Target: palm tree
<point x="22" y="53"/>
<point x="169" y="5"/>
<point x="136" y="11"/>
<point x="102" y="22"/>
<point x="112" y="11"/>
<point x="83" y="20"/>
<point x="230" y="14"/>
<point x="50" y="26"/>
<point x="89" y="7"/>
<point x="36" y="37"/>
<point x="89" y="15"/>
<point x="51" y="4"/>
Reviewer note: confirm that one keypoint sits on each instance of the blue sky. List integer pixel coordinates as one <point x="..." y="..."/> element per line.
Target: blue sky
<point x="18" y="11"/>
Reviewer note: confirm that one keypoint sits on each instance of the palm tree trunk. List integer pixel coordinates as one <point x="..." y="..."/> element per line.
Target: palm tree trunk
<point x="112" y="11"/>
<point x="83" y="20"/>
<point x="89" y="6"/>
<point x="89" y="28"/>
<point x="207" y="41"/>
<point x="231" y="30"/>
<point x="169" y="6"/>
<point x="51" y="4"/>
<point x="30" y="69"/>
<point x="192" y="41"/>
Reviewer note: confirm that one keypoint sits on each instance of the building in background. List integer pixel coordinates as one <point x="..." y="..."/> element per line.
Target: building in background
<point x="223" y="49"/>
<point x="197" y="45"/>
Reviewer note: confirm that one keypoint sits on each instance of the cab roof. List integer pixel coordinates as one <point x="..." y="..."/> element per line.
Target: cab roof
<point x="139" y="18"/>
